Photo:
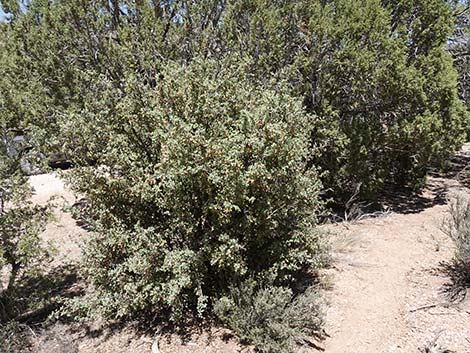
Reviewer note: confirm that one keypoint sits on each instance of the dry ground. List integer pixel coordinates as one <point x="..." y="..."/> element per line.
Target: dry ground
<point x="390" y="287"/>
<point x="388" y="283"/>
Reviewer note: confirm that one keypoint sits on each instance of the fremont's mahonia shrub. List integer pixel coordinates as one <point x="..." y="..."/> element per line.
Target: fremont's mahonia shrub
<point x="203" y="182"/>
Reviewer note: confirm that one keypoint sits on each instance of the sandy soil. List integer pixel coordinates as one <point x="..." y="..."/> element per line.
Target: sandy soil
<point x="389" y="280"/>
<point x="63" y="233"/>
<point x="388" y="284"/>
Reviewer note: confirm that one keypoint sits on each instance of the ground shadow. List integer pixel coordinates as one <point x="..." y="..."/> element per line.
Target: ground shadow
<point x="80" y="212"/>
<point x="391" y="199"/>
<point x="143" y="323"/>
<point x="406" y="200"/>
<point x="458" y="285"/>
<point x="459" y="169"/>
<point x="34" y="298"/>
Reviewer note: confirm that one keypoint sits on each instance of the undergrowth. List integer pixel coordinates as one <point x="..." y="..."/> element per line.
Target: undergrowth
<point x="272" y="318"/>
<point x="457" y="227"/>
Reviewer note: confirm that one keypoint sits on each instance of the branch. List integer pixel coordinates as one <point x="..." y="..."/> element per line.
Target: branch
<point x="461" y="12"/>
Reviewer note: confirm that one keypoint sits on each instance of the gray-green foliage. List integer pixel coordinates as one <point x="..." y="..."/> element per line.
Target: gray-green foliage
<point x="203" y="181"/>
<point x="271" y="318"/>
<point x="21" y="222"/>
<point x="457" y="226"/>
<point x="13" y="338"/>
<point x="376" y="73"/>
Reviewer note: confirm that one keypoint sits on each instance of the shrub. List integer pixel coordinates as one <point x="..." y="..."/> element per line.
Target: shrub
<point x="203" y="182"/>
<point x="457" y="226"/>
<point x="459" y="47"/>
<point x="271" y="318"/>
<point x="377" y="75"/>
<point x="13" y="338"/>
<point x="21" y="223"/>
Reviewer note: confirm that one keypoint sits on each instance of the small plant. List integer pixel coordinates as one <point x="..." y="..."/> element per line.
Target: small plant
<point x="13" y="337"/>
<point x="432" y="346"/>
<point x="272" y="318"/>
<point x="457" y="226"/>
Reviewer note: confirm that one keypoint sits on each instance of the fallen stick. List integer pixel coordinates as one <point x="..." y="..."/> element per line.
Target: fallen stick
<point x="423" y="307"/>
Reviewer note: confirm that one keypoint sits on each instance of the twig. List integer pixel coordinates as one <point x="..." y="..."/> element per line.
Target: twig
<point x="431" y="346"/>
<point x="376" y="214"/>
<point x="423" y="307"/>
<point x="155" y="348"/>
<point x="30" y="329"/>
<point x="461" y="12"/>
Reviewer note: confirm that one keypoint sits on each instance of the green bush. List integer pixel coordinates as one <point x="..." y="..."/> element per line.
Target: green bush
<point x="271" y="318"/>
<point x="375" y="72"/>
<point x="21" y="222"/>
<point x="203" y="182"/>
<point x="459" y="47"/>
<point x="377" y="75"/>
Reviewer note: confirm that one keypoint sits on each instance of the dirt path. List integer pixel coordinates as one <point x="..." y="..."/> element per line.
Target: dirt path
<point x="388" y="280"/>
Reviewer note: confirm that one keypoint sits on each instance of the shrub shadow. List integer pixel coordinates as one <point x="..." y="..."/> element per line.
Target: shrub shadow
<point x="459" y="169"/>
<point x="34" y="299"/>
<point x="408" y="201"/>
<point x="147" y="324"/>
<point x="405" y="200"/>
<point x="456" y="289"/>
<point x="80" y="213"/>
<point x="37" y="296"/>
